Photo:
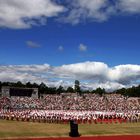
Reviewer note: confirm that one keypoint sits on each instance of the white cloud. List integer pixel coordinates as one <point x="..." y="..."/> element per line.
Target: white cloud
<point x="129" y="6"/>
<point x="23" y="72"/>
<point x="32" y="44"/>
<point x="81" y="10"/>
<point x="19" y="14"/>
<point x="60" y="48"/>
<point x="108" y="86"/>
<point x="82" y="71"/>
<point x="91" y="75"/>
<point x="125" y="74"/>
<point x="82" y="47"/>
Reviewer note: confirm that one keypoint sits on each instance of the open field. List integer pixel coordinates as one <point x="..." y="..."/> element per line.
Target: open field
<point x="14" y="129"/>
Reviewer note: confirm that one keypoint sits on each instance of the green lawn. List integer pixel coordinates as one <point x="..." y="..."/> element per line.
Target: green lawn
<point x="30" y="129"/>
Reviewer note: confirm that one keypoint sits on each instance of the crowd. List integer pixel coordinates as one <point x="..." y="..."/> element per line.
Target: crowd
<point x="65" y="107"/>
<point x="90" y="102"/>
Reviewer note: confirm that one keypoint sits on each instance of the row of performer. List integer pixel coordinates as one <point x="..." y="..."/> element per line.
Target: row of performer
<point x="60" y="116"/>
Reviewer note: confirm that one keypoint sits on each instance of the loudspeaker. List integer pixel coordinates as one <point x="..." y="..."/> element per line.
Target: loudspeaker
<point x="73" y="129"/>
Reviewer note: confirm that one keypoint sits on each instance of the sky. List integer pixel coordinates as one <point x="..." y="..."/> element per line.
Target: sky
<point x="60" y="41"/>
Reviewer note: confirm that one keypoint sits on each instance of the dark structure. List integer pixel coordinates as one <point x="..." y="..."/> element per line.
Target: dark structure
<point x="20" y="92"/>
<point x="73" y="129"/>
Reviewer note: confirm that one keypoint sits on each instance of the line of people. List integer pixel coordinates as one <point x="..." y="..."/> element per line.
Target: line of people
<point x="65" y="107"/>
<point x="93" y="102"/>
<point x="61" y="116"/>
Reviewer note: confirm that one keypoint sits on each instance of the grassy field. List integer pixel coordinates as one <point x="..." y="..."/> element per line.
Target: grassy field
<point x="11" y="129"/>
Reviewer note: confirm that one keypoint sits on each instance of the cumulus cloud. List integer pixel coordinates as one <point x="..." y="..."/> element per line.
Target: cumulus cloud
<point x="32" y="44"/>
<point x="80" y="11"/>
<point x="91" y="75"/>
<point x="23" y="14"/>
<point x="82" y="48"/>
<point x="108" y="86"/>
<point x="129" y="6"/>
<point x="82" y="71"/>
<point x="23" y="73"/>
<point x="60" y="48"/>
<point x="125" y="74"/>
<point x="19" y="14"/>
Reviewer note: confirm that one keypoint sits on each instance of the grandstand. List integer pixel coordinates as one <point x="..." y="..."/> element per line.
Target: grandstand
<point x="7" y="91"/>
<point x="59" y="108"/>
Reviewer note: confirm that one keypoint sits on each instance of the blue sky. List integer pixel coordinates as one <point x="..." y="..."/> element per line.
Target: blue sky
<point x="85" y="32"/>
<point x="115" y="41"/>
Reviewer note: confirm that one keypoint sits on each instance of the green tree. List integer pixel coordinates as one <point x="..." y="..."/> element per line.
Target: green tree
<point x="100" y="91"/>
<point x="42" y="88"/>
<point x="77" y="86"/>
<point x="60" y="89"/>
<point x="93" y="91"/>
<point x="122" y="91"/>
<point x="52" y="90"/>
<point x="29" y="85"/>
<point x="35" y="85"/>
<point x="70" y="90"/>
<point x="19" y="84"/>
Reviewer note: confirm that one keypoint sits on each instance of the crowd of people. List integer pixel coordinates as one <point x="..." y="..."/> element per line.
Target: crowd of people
<point x="65" y="107"/>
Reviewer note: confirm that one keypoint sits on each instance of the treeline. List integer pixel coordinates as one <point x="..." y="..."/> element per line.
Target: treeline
<point x="44" y="89"/>
<point x="130" y="92"/>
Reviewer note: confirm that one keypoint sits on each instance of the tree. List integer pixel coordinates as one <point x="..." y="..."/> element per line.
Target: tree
<point x="77" y="86"/>
<point x="35" y="85"/>
<point x="0" y="85"/>
<point x="70" y="90"/>
<point x="52" y="90"/>
<point x="100" y="91"/>
<point x="60" y="89"/>
<point x="19" y="84"/>
<point x="29" y="85"/>
<point x="42" y="88"/>
<point x="93" y="91"/>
